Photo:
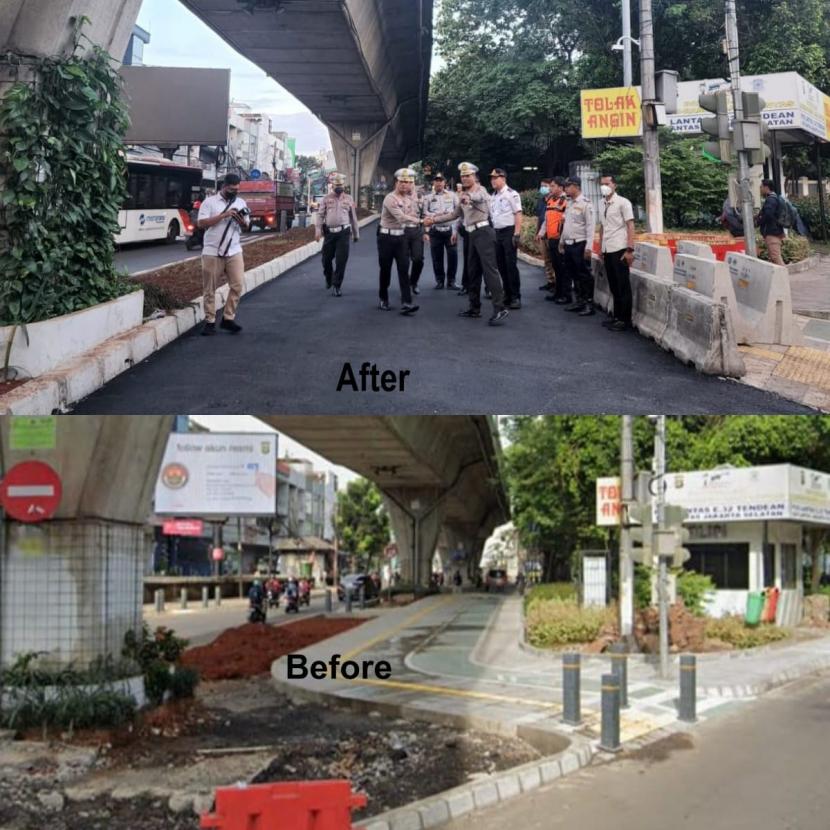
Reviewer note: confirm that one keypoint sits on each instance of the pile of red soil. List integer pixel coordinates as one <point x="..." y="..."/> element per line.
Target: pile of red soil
<point x="250" y="649"/>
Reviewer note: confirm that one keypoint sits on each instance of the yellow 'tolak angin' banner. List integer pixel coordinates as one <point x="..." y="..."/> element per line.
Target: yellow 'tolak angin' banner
<point x="611" y="113"/>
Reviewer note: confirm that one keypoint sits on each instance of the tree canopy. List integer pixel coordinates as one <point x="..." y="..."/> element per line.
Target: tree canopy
<point x="362" y="524"/>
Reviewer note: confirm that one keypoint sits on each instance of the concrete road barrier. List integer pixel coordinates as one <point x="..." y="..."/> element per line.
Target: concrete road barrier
<point x="699" y="249"/>
<point x="602" y="291"/>
<point x="700" y="332"/>
<point x="653" y="259"/>
<point x="764" y="302"/>
<point x="711" y="278"/>
<point x="651" y="301"/>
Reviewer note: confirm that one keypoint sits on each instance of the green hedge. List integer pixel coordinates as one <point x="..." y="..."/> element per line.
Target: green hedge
<point x="793" y="249"/>
<point x="551" y="590"/>
<point x="810" y="212"/>
<point x="556" y="622"/>
<point x="694" y="588"/>
<point x="734" y="630"/>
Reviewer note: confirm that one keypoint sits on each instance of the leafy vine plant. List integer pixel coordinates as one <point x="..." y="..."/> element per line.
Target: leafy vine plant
<point x="63" y="180"/>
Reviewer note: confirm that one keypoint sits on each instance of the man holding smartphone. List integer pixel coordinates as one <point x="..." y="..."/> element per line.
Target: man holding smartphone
<point x="222" y="217"/>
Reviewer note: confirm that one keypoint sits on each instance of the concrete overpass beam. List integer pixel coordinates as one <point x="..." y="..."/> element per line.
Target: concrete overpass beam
<point x="357" y="150"/>
<point x="72" y="586"/>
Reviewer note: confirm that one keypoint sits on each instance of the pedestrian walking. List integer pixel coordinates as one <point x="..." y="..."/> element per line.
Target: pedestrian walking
<point x="541" y="209"/>
<point x="399" y="211"/>
<point x="551" y="235"/>
<point x="576" y="245"/>
<point x="222" y="217"/>
<point x="506" y="213"/>
<point x="414" y="238"/>
<point x="336" y="224"/>
<point x="442" y="238"/>
<point x="769" y="221"/>
<point x="616" y="244"/>
<point x="474" y="211"/>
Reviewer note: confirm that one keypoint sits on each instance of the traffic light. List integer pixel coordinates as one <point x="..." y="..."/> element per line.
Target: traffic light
<point x="755" y="134"/>
<point x="717" y="125"/>
<point x="642" y="533"/>
<point x="676" y="535"/>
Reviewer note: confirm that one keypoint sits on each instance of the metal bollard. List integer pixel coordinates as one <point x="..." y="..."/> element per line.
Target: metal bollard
<point x="687" y="708"/>
<point x="570" y="689"/>
<point x="619" y="668"/>
<point x="205" y="596"/>
<point x="328" y="601"/>
<point x="217" y="596"/>
<point x="362" y="596"/>
<point x="610" y="732"/>
<point x="183" y="598"/>
<point x="348" y="601"/>
<point x="159" y="596"/>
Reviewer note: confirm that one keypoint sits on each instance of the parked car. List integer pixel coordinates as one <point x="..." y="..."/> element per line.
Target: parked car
<point x="353" y="582"/>
<point x="496" y="580"/>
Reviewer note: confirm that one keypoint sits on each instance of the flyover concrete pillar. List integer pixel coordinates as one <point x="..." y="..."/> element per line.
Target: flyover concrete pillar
<point x="417" y="515"/>
<point x="357" y="149"/>
<point x="72" y="586"/>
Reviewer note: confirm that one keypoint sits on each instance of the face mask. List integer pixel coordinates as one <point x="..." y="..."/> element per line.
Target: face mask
<point x="544" y="190"/>
<point x="338" y="190"/>
<point x="606" y="190"/>
<point x="230" y="195"/>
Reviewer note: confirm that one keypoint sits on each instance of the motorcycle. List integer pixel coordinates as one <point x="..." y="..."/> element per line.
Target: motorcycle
<point x="273" y="598"/>
<point x="256" y="613"/>
<point x="197" y="238"/>
<point x="305" y="594"/>
<point x="292" y="603"/>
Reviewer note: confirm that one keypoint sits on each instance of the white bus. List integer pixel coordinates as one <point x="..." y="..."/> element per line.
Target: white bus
<point x="159" y="199"/>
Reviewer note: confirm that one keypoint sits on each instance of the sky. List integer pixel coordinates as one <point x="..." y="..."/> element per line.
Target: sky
<point x="179" y="38"/>
<point x="285" y="445"/>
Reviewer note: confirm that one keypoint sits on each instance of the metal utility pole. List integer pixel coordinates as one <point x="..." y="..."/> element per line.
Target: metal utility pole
<point x="747" y="211"/>
<point x="627" y="499"/>
<point x="651" y="145"/>
<point x="626" y="42"/>
<point x="658" y="502"/>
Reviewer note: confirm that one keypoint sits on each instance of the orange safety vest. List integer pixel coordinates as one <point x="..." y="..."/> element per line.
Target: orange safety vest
<point x="554" y="216"/>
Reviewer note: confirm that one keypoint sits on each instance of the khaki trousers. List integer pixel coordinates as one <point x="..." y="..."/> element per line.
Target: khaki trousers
<point x="214" y="270"/>
<point x="774" y="249"/>
<point x="550" y="273"/>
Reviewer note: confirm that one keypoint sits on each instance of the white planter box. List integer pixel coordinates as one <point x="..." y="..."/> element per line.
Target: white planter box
<point x="52" y="342"/>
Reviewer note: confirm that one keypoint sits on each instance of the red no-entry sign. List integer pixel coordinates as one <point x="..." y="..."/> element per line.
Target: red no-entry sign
<point x="31" y="491"/>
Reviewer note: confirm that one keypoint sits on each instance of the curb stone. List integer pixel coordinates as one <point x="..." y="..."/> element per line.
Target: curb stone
<point x="55" y="391"/>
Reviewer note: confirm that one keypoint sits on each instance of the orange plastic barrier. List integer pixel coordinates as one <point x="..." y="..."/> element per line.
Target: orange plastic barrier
<point x="288" y="805"/>
<point x="770" y="605"/>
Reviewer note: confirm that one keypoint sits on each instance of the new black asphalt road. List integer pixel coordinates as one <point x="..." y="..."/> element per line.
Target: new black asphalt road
<point x="297" y="337"/>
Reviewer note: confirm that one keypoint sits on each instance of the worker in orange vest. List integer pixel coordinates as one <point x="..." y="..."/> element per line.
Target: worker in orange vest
<point x="550" y="232"/>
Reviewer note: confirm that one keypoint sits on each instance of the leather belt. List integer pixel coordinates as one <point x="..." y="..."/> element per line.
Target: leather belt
<point x="337" y="228"/>
<point x="392" y="231"/>
<point x="471" y="228"/>
<point x="442" y="228"/>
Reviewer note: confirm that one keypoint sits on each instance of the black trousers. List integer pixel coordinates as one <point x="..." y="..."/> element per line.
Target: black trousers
<point x="439" y="241"/>
<point x="564" y="283"/>
<point x="336" y="251"/>
<point x="393" y="249"/>
<point x="472" y="266"/>
<point x="506" y="259"/>
<point x="619" y="281"/>
<point x="580" y="272"/>
<point x="483" y="262"/>
<point x="415" y="246"/>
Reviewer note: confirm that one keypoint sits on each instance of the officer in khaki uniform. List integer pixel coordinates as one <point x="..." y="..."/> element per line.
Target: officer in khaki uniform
<point x="336" y="221"/>
<point x="442" y="237"/>
<point x="576" y="244"/>
<point x="474" y="211"/>
<point x="400" y="211"/>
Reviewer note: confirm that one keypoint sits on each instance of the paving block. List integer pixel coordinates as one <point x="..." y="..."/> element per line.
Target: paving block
<point x="405" y="820"/>
<point x="485" y="795"/>
<point x="434" y="814"/>
<point x="376" y="825"/>
<point x="142" y="343"/>
<point x="460" y="803"/>
<point x="530" y="779"/>
<point x="166" y="330"/>
<point x="570" y="763"/>
<point x="550" y="771"/>
<point x="114" y="357"/>
<point x="81" y="377"/>
<point x="508" y="787"/>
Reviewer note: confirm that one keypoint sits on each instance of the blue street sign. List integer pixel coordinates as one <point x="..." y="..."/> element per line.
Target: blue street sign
<point x="256" y="174"/>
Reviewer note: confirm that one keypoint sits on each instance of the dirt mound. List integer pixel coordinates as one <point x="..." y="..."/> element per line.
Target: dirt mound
<point x="250" y="649"/>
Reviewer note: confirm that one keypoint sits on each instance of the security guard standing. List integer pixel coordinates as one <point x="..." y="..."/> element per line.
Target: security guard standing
<point x="442" y="237"/>
<point x="336" y="221"/>
<point x="400" y="211"/>
<point x="474" y="210"/>
<point x="576" y="244"/>
<point x="506" y="212"/>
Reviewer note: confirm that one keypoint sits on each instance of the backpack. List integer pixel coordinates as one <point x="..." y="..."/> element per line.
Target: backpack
<point x="786" y="214"/>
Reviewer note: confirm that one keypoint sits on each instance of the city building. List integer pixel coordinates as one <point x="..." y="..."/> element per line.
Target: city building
<point x="134" y="56"/>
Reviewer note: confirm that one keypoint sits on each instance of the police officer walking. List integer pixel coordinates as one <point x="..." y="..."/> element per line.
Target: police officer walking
<point x="442" y="237"/>
<point x="400" y="211"/>
<point x="336" y="221"/>
<point x="506" y="212"/>
<point x="474" y="211"/>
<point x="576" y="244"/>
<point x="414" y="238"/>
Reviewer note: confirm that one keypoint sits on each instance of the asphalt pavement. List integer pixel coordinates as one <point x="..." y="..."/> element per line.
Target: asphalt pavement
<point x="297" y="337"/>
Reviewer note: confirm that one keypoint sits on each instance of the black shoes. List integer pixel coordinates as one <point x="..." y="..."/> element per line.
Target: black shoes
<point x="546" y="287"/>
<point x="337" y="292"/>
<point x="608" y="323"/>
<point x="514" y="305"/>
<point x="451" y="286"/>
<point x="619" y="325"/>
<point x="462" y="292"/>
<point x="208" y="329"/>
<point x="559" y="300"/>
<point x="587" y="311"/>
<point x="470" y="312"/>
<point x="498" y="318"/>
<point x="577" y="307"/>
<point x="230" y="325"/>
<point x="438" y="285"/>
<point x="408" y="308"/>
<point x="384" y="306"/>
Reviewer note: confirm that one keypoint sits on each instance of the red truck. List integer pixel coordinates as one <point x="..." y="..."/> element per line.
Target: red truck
<point x="266" y="199"/>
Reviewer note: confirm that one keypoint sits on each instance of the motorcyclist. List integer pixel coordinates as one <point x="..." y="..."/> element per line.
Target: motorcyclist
<point x="304" y="590"/>
<point x="256" y="594"/>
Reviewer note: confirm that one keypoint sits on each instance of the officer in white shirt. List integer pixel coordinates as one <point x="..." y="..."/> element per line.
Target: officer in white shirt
<point x="616" y="237"/>
<point x="506" y="213"/>
<point x="223" y="216"/>
<point x="442" y="237"/>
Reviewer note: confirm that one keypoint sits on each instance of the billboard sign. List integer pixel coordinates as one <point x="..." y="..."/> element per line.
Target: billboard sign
<point x="611" y="113"/>
<point x="218" y="474"/>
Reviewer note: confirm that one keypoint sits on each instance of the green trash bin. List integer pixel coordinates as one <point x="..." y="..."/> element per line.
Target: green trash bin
<point x="754" y="607"/>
